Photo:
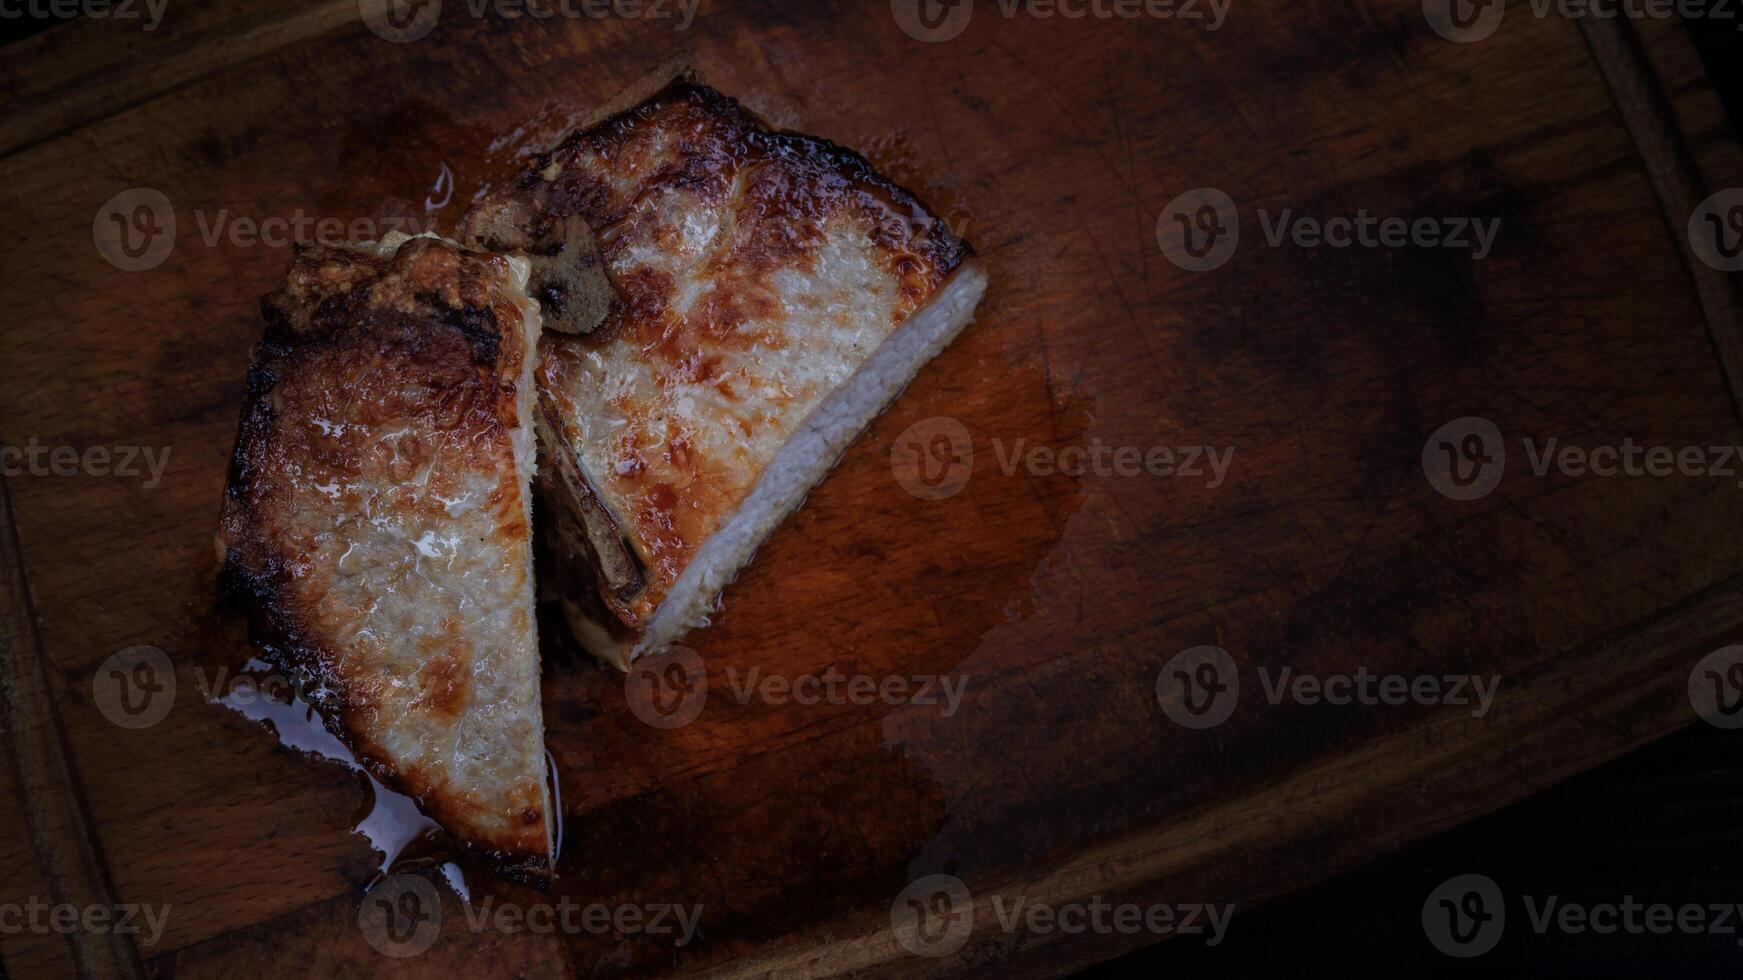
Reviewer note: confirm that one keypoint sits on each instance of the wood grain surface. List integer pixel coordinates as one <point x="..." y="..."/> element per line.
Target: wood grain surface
<point x="1054" y="145"/>
<point x="1661" y="825"/>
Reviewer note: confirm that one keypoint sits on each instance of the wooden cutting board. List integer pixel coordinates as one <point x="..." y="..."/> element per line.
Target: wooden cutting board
<point x="1056" y="598"/>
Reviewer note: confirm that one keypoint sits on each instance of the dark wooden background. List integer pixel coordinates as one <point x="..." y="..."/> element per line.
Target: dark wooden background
<point x="1663" y="824"/>
<point x="1058" y="143"/>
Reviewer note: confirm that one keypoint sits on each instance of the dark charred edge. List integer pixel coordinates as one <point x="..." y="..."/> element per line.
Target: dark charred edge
<point x="536" y="217"/>
<point x="260" y="593"/>
<point x="476" y="324"/>
<point x="947" y="249"/>
<point x="346" y="314"/>
<point x="280" y="343"/>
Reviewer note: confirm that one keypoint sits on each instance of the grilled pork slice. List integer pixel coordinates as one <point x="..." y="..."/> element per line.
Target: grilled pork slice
<point x="772" y="294"/>
<point x="377" y="525"/>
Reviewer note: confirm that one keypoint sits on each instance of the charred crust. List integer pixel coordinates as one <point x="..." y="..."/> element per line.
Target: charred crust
<point x="943" y="247"/>
<point x="476" y="324"/>
<point x="530" y="212"/>
<point x="438" y="310"/>
<point x="261" y="595"/>
<point x="320" y="689"/>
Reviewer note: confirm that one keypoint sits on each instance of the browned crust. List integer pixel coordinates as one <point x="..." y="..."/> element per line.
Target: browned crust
<point x="746" y="138"/>
<point x="532" y="212"/>
<point x="431" y="333"/>
<point x="600" y="174"/>
<point x="568" y="276"/>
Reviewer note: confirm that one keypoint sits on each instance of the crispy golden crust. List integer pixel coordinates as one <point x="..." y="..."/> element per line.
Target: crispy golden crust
<point x="751" y="272"/>
<point x="375" y="525"/>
